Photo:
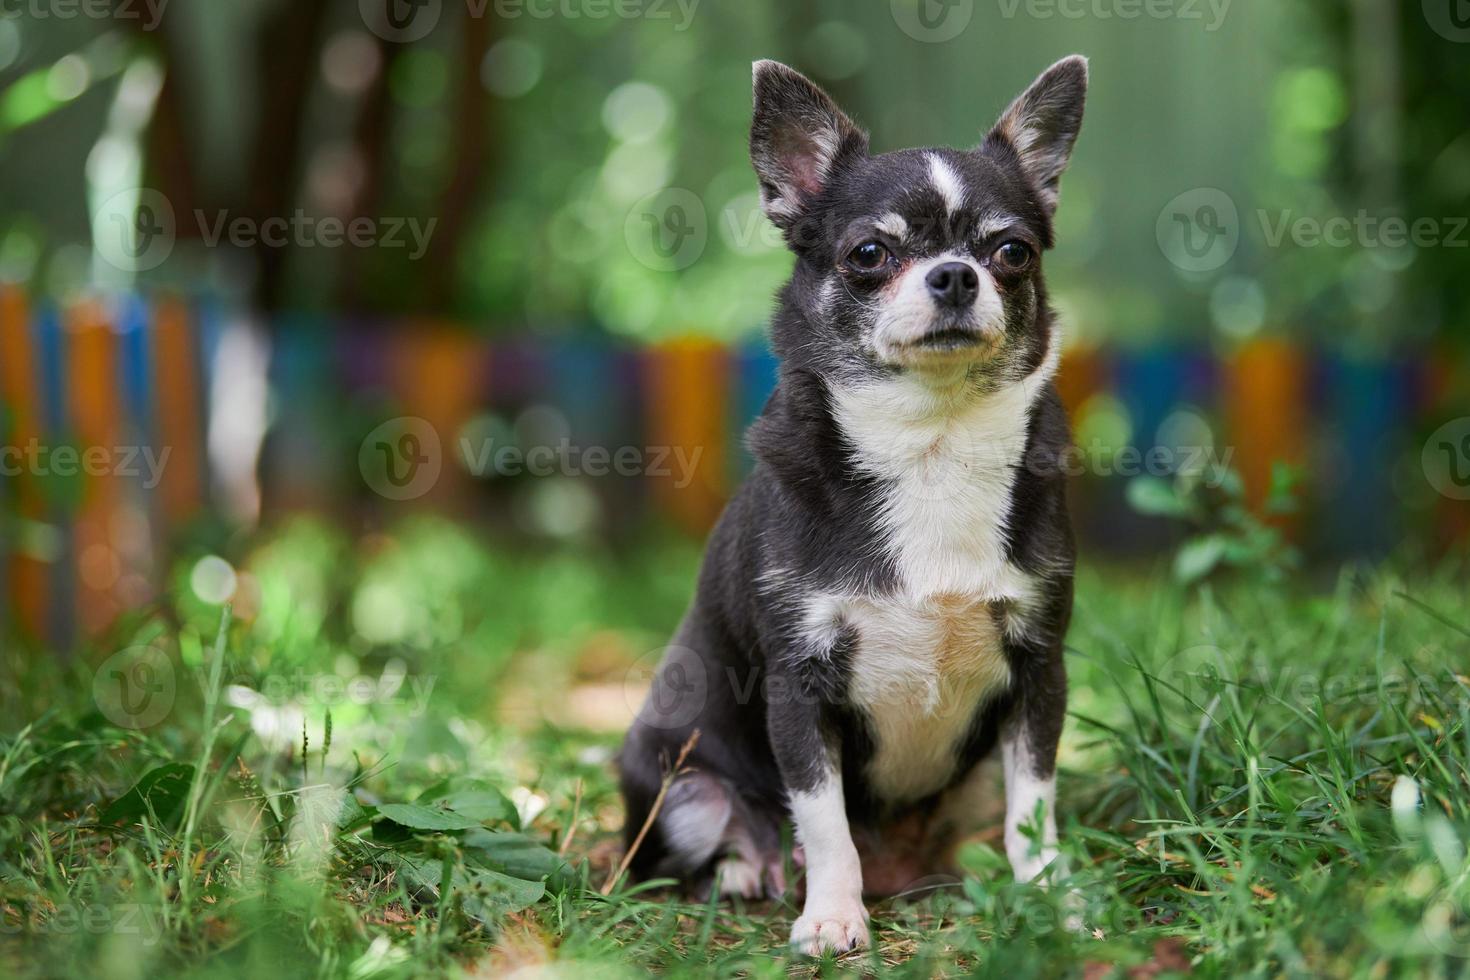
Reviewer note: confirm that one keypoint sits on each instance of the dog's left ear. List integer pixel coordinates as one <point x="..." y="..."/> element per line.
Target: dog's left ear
<point x="798" y="139"/>
<point x="1042" y="125"/>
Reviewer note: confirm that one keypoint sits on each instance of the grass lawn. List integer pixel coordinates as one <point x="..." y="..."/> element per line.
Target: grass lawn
<point x="393" y="758"/>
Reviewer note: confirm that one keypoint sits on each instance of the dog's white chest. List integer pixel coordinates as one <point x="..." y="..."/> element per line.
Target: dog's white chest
<point x="947" y="466"/>
<point x="919" y="673"/>
<point x="931" y="654"/>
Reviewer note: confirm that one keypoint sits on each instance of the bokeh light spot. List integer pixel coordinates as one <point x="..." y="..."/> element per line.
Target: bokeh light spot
<point x="1238" y="306"/>
<point x="213" y="580"/>
<point x="1104" y="425"/>
<point x="350" y="61"/>
<point x="68" y="78"/>
<point x="636" y="111"/>
<point x="511" y="68"/>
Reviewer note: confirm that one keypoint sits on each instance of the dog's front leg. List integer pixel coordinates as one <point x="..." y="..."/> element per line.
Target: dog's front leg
<point x="834" y="916"/>
<point x="1028" y="746"/>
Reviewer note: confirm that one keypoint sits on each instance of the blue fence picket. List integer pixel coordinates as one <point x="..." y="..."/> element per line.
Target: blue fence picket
<point x="1365" y="410"/>
<point x="60" y="627"/>
<point x="755" y="378"/>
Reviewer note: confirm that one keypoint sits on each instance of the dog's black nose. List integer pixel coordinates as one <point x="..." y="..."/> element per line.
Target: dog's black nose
<point x="953" y="284"/>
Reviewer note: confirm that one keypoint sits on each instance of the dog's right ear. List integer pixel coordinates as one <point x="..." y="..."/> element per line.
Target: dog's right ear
<point x="798" y="139"/>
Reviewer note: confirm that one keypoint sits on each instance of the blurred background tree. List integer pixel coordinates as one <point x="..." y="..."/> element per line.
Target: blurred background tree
<point x="591" y="264"/>
<point x="531" y="139"/>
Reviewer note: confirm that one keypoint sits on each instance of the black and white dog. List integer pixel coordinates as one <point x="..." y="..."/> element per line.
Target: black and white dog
<point x="884" y="601"/>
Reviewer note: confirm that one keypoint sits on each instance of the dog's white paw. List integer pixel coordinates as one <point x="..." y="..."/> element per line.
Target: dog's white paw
<point x="740" y="877"/>
<point x="839" y="929"/>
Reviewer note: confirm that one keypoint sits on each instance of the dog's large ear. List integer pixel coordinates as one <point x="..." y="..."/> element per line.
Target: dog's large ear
<point x="1042" y="125"/>
<point x="798" y="139"/>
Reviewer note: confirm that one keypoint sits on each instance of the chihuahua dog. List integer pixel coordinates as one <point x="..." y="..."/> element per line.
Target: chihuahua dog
<point x="884" y="601"/>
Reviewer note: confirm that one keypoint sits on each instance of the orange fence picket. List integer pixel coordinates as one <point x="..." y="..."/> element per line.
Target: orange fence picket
<point x="1265" y="407"/>
<point x="440" y="376"/>
<point x="95" y="408"/>
<point x="687" y="420"/>
<point x="1080" y="376"/>
<point x="27" y="574"/>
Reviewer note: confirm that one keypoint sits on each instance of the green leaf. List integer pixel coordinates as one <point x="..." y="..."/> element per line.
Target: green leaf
<point x="489" y="894"/>
<point x="1242" y="554"/>
<point x="161" y="792"/>
<point x="480" y="804"/>
<point x="354" y="814"/>
<point x="416" y="816"/>
<point x="422" y="873"/>
<point x="1281" y="496"/>
<point x="514" y="854"/>
<point x="1230" y="483"/>
<point x="1199" y="557"/>
<point x="435" y="792"/>
<point x="1156" y="498"/>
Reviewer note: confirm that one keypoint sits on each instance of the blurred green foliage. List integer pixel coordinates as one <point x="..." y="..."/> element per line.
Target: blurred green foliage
<point x="536" y="141"/>
<point x="1224" y="533"/>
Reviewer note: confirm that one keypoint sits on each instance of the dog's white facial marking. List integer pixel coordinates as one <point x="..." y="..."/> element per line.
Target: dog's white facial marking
<point x="907" y="312"/>
<point x="994" y="224"/>
<point x="948" y="183"/>
<point x="1031" y="848"/>
<point x="834" y="916"/>
<point x="893" y="224"/>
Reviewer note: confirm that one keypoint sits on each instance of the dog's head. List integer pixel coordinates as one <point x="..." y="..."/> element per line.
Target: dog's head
<point x="925" y="262"/>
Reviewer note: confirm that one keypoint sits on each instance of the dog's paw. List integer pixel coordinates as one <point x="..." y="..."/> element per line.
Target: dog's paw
<point x="839" y="929"/>
<point x="740" y="877"/>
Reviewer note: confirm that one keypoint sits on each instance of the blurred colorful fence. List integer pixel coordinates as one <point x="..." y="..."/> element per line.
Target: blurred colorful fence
<point x="117" y="429"/>
<point x="86" y="394"/>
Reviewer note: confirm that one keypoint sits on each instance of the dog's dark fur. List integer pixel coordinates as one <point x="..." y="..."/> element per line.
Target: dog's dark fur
<point x="770" y="692"/>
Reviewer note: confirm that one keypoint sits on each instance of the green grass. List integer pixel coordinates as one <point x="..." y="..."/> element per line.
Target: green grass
<point x="372" y="769"/>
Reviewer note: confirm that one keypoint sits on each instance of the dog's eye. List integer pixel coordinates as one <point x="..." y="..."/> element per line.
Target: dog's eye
<point x="1013" y="256"/>
<point x="868" y="257"/>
